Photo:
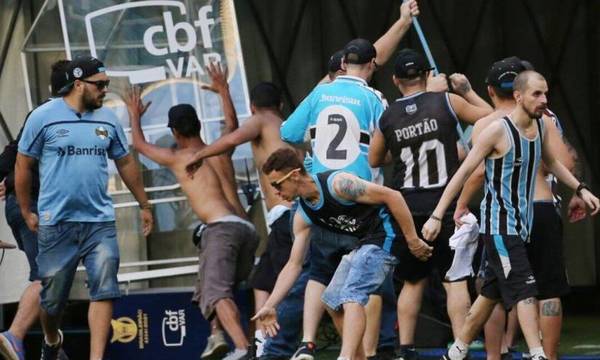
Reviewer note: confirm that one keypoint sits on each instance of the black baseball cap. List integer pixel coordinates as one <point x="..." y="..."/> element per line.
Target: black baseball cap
<point x="335" y="61"/>
<point x="181" y="114"/>
<point x="503" y="72"/>
<point x="359" y="51"/>
<point x="82" y="67"/>
<point x="410" y="64"/>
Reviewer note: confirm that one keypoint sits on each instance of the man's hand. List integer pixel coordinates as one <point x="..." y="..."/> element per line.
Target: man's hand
<point x="576" y="210"/>
<point x="420" y="249"/>
<point x="32" y="220"/>
<point x="437" y="83"/>
<point x="2" y="190"/>
<point x="267" y="318"/>
<point x="193" y="165"/>
<point x="147" y="221"/>
<point x="431" y="229"/>
<point x="591" y="201"/>
<point x="408" y="9"/>
<point x="135" y="107"/>
<point x="459" y="213"/>
<point x="460" y="84"/>
<point x="218" y="75"/>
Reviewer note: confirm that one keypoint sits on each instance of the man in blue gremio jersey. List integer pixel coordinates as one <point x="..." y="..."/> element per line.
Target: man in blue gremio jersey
<point x="72" y="137"/>
<point x="513" y="148"/>
<point x="343" y="203"/>
<point x="339" y="118"/>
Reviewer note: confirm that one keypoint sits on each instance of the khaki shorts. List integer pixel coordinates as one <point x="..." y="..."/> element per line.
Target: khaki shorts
<point x="226" y="257"/>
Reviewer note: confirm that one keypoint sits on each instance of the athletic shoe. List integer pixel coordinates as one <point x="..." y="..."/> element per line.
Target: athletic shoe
<point x="237" y="354"/>
<point x="506" y="356"/>
<point x="11" y="347"/>
<point x="447" y="357"/>
<point x="52" y="352"/>
<point x="408" y="354"/>
<point x="216" y="347"/>
<point x="306" y="351"/>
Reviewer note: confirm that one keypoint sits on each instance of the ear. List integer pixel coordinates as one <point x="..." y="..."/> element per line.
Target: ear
<point x="396" y="80"/>
<point x="252" y="108"/>
<point x="490" y="92"/>
<point x="517" y="96"/>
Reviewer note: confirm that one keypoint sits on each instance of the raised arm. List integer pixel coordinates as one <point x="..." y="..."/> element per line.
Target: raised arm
<point x="387" y="44"/>
<point x="491" y="137"/>
<point x="288" y="275"/>
<point x="249" y="131"/>
<point x="353" y="188"/>
<point x="220" y="86"/>
<point x="130" y="173"/>
<point x="136" y="109"/>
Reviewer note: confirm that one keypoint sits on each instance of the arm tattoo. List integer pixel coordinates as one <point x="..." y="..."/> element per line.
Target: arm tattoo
<point x="352" y="188"/>
<point x="551" y="308"/>
<point x="463" y="88"/>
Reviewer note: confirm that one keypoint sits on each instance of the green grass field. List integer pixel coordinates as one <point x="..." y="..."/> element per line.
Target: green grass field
<point x="580" y="336"/>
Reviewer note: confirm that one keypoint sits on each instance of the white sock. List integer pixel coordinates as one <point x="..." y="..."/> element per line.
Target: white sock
<point x="260" y="342"/>
<point x="537" y="353"/>
<point x="458" y="350"/>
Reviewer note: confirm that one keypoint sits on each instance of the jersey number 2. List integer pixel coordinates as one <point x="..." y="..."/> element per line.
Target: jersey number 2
<point x="332" y="150"/>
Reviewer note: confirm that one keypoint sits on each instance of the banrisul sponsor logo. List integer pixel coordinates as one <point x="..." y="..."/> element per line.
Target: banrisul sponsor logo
<point x="81" y="151"/>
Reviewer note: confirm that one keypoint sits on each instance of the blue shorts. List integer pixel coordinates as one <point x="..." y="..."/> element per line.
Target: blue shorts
<point x="360" y="274"/>
<point x="62" y="246"/>
<point x="326" y="251"/>
<point x="26" y="239"/>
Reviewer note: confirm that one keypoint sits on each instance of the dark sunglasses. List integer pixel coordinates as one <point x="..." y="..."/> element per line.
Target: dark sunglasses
<point x="277" y="183"/>
<point x="100" y="84"/>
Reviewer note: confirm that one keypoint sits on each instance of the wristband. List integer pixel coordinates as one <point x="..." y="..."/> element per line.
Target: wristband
<point x="435" y="218"/>
<point x="581" y="186"/>
<point x="146" y="206"/>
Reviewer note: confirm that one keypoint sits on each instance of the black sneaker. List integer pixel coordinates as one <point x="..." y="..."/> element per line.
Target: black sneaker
<point x="306" y="351"/>
<point x="51" y="352"/>
<point x="506" y="356"/>
<point x="408" y="354"/>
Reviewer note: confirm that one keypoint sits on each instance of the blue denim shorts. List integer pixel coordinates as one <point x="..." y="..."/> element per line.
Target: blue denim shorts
<point x="360" y="274"/>
<point x="62" y="246"/>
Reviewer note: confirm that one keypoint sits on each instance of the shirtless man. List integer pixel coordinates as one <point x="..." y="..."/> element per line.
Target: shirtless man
<point x="229" y="241"/>
<point x="262" y="131"/>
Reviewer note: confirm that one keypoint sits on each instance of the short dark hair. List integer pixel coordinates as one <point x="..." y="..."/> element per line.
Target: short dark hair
<point x="184" y="119"/>
<point x="520" y="82"/>
<point x="57" y="77"/>
<point x="284" y="159"/>
<point x="265" y="95"/>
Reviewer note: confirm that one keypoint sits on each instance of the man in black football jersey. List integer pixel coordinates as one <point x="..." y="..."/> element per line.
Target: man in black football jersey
<point x="345" y="204"/>
<point x="419" y="130"/>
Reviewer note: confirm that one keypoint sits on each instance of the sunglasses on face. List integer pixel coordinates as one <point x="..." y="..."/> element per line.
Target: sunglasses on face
<point x="100" y="84"/>
<point x="277" y="183"/>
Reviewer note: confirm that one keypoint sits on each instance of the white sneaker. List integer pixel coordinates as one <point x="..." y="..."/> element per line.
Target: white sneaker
<point x="237" y="354"/>
<point x="216" y="347"/>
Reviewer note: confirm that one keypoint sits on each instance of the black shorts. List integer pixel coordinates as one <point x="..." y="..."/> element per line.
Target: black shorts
<point x="508" y="276"/>
<point x="326" y="251"/>
<point x="545" y="252"/>
<point x="276" y="255"/>
<point x="411" y="269"/>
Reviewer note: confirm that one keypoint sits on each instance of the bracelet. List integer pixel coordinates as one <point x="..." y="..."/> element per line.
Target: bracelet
<point x="581" y="186"/>
<point x="146" y="206"/>
<point x="435" y="218"/>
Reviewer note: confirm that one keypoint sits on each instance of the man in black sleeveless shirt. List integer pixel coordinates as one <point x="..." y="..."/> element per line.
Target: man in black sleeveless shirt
<point x="419" y="130"/>
<point x="345" y="204"/>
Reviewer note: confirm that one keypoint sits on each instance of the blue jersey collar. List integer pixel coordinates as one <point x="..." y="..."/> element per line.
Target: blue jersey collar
<point x="351" y="78"/>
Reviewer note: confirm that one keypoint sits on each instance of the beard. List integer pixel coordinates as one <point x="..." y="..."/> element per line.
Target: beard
<point x="535" y="113"/>
<point x="91" y="102"/>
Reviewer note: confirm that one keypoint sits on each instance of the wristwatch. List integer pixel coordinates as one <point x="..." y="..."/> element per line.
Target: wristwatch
<point x="581" y="186"/>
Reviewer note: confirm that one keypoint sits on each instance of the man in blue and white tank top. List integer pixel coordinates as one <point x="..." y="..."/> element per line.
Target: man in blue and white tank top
<point x="512" y="148"/>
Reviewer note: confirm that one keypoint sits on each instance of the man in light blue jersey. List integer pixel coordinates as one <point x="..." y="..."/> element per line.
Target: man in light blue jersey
<point x="339" y="118"/>
<point x="513" y="148"/>
<point x="72" y="138"/>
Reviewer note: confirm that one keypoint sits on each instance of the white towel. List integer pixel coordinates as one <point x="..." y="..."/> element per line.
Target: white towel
<point x="464" y="244"/>
<point x="275" y="213"/>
